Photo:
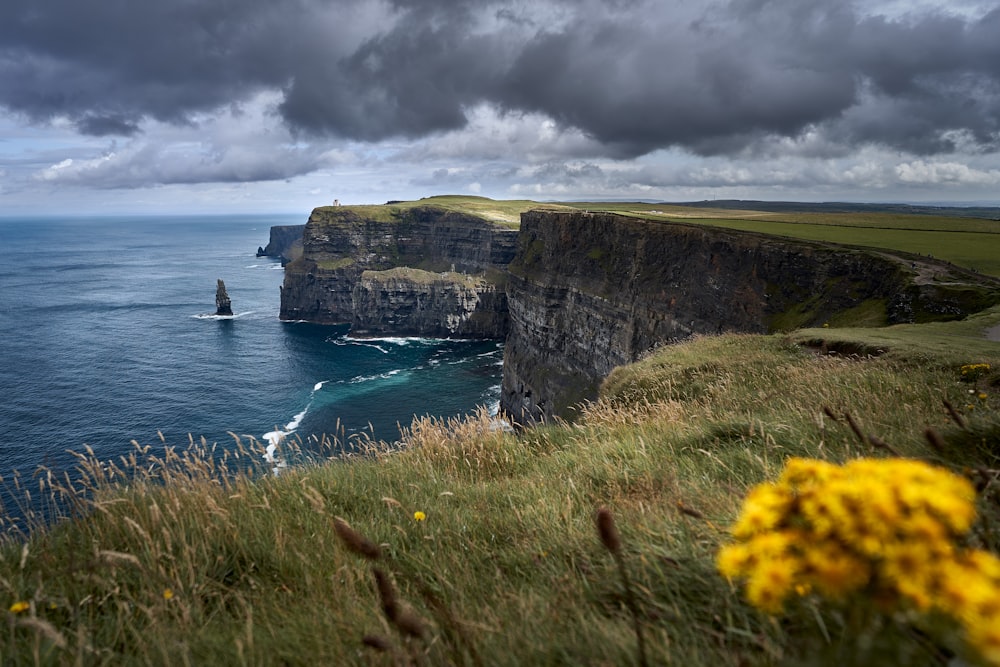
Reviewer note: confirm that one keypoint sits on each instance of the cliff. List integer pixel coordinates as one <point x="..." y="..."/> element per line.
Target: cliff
<point x="454" y="285"/>
<point x="589" y="291"/>
<point x="411" y="302"/>
<point x="285" y="242"/>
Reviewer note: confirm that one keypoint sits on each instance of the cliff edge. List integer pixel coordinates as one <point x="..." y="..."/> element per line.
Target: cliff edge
<point x="406" y="269"/>
<point x="591" y="291"/>
<point x="285" y="242"/>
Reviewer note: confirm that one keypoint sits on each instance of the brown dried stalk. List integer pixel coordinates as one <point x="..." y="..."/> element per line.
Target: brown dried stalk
<point x="934" y="440"/>
<point x="613" y="542"/>
<point x="953" y="413"/>
<point x="405" y="620"/>
<point x="355" y="541"/>
<point x="857" y="429"/>
<point x="690" y="511"/>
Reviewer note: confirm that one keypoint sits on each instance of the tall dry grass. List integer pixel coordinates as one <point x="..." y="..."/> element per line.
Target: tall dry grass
<point x="469" y="544"/>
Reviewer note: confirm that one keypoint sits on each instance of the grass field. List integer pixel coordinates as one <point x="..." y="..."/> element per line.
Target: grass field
<point x="592" y="543"/>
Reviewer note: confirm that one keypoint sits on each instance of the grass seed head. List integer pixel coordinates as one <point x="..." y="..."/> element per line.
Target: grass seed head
<point x="386" y="592"/>
<point x="408" y="623"/>
<point x="608" y="531"/>
<point x="355" y="541"/>
<point x="377" y="642"/>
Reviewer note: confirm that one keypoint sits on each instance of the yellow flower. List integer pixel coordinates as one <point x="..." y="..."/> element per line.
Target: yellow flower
<point x="168" y="594"/>
<point x="835" y="571"/>
<point x="733" y="560"/>
<point x="419" y="516"/>
<point x="981" y="396"/>
<point x="885" y="527"/>
<point x="762" y="510"/>
<point x="771" y="583"/>
<point x="19" y="606"/>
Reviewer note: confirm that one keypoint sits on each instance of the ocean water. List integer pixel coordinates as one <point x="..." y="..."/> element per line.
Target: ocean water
<point x="108" y="335"/>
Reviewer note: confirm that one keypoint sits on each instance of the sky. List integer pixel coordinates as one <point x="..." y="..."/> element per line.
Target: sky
<point x="243" y="106"/>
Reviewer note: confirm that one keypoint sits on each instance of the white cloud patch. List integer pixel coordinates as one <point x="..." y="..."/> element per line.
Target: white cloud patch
<point x="240" y="143"/>
<point x="922" y="172"/>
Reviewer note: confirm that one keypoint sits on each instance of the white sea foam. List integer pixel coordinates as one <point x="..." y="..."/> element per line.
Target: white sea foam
<point x="291" y="426"/>
<point x="403" y="341"/>
<point x="377" y="347"/>
<point x="368" y="378"/>
<point x="213" y="316"/>
<point x="274" y="438"/>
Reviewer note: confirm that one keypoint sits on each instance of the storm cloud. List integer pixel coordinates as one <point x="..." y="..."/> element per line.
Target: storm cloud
<point x="712" y="78"/>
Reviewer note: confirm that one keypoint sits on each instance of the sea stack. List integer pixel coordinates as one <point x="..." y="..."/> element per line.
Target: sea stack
<point x="222" y="303"/>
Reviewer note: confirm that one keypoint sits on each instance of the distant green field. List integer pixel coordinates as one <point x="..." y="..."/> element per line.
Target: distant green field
<point x="980" y="251"/>
<point x="968" y="242"/>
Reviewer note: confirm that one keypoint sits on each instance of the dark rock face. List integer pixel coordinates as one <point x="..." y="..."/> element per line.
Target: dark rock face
<point x="285" y="242"/>
<point x="223" y="306"/>
<point x="588" y="292"/>
<point x="577" y="294"/>
<point x="411" y="302"/>
<point x="454" y="288"/>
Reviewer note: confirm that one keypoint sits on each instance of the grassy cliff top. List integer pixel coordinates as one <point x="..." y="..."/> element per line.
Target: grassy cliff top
<point x="421" y="277"/>
<point x="968" y="242"/>
<point x="486" y="539"/>
<point x="504" y="212"/>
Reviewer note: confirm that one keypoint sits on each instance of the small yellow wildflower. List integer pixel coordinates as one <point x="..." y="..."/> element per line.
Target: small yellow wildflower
<point x="974" y="371"/>
<point x="168" y="594"/>
<point x="419" y="516"/>
<point x="981" y="396"/>
<point x="19" y="606"/>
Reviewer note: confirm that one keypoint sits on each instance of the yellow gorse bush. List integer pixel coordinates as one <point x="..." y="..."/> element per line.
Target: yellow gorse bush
<point x="974" y="371"/>
<point x="886" y="529"/>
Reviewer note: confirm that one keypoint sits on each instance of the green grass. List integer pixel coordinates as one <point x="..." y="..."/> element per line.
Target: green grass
<point x="421" y="277"/>
<point x="972" y="243"/>
<point x="196" y="557"/>
<point x="508" y="567"/>
<point x="974" y="250"/>
<point x="504" y="212"/>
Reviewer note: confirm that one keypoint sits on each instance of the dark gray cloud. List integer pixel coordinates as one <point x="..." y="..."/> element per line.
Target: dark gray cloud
<point x="713" y="78"/>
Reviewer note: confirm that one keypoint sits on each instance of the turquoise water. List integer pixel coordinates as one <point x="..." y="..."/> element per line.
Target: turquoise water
<point x="108" y="336"/>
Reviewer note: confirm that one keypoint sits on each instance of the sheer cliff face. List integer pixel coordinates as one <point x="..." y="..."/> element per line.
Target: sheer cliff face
<point x="285" y="242"/>
<point x="577" y="294"/>
<point x="344" y="273"/>
<point x="588" y="292"/>
<point x="411" y="302"/>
